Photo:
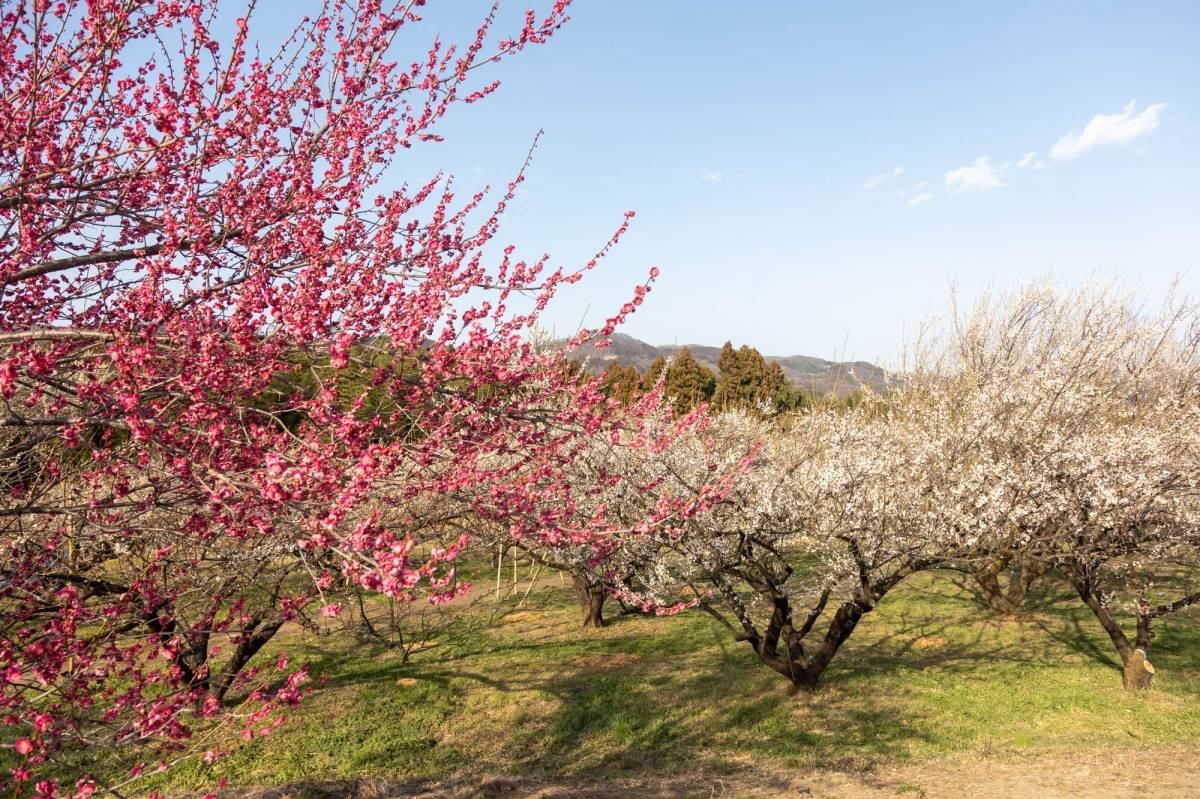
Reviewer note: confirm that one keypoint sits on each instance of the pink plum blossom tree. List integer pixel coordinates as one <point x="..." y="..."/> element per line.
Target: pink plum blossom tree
<point x="238" y="363"/>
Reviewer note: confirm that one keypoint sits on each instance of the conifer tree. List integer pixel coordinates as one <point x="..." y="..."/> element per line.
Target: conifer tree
<point x="688" y="382"/>
<point x="654" y="372"/>
<point x="727" y="361"/>
<point x="773" y="382"/>
<point x="622" y="383"/>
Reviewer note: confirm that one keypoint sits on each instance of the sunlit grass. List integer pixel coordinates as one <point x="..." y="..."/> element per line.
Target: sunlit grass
<point x="928" y="674"/>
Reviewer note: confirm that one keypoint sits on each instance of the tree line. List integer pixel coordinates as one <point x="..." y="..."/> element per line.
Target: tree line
<point x="744" y="379"/>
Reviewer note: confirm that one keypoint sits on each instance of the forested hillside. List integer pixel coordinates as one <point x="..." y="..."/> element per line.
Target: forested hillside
<point x="815" y="376"/>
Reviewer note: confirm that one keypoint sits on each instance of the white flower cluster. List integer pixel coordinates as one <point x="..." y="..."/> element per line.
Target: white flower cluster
<point x="1060" y="426"/>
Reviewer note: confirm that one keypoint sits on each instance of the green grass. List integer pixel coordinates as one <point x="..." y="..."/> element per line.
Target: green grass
<point x="928" y="674"/>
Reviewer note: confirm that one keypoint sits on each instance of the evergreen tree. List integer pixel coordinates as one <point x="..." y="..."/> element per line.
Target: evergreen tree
<point x="688" y="382"/>
<point x="743" y="372"/>
<point x="753" y="369"/>
<point x="728" y="369"/>
<point x="747" y="381"/>
<point x="653" y="372"/>
<point x="773" y="382"/>
<point x="623" y="383"/>
<point x="794" y="398"/>
<point x="727" y="361"/>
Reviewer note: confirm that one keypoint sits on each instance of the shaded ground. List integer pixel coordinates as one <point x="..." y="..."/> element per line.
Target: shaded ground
<point x="931" y="697"/>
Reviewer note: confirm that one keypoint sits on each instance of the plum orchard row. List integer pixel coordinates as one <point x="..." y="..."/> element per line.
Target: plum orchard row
<point x="1042" y="431"/>
<point x="246" y="376"/>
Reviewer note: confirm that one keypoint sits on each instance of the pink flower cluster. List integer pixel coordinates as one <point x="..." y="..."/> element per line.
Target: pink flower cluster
<point x="234" y="356"/>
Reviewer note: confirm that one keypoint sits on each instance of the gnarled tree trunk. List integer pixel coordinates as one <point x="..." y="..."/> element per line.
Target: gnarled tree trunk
<point x="591" y="600"/>
<point x="803" y="668"/>
<point x="780" y="645"/>
<point x="1005" y="584"/>
<point x="1137" y="671"/>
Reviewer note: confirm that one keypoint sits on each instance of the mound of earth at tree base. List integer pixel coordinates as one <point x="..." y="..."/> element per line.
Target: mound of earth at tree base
<point x="1099" y="774"/>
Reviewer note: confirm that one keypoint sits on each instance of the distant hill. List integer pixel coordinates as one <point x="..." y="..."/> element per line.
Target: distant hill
<point x="815" y="375"/>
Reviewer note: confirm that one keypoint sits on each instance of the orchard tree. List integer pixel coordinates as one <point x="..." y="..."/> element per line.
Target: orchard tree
<point x="819" y="524"/>
<point x="236" y="359"/>
<point x="1084" y="411"/>
<point x="1100" y="403"/>
<point x="683" y="474"/>
<point x="1047" y="429"/>
<point x="836" y="513"/>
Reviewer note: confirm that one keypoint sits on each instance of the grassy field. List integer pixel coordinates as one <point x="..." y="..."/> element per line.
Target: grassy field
<point x="928" y="675"/>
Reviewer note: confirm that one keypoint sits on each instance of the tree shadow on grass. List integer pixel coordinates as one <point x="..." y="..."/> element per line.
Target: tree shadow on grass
<point x="1054" y="610"/>
<point x="667" y="696"/>
<point x="668" y="701"/>
<point x="617" y="723"/>
<point x="1070" y="630"/>
<point x="623" y="703"/>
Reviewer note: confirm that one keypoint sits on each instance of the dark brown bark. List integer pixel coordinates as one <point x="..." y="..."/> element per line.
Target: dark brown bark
<point x="255" y="636"/>
<point x="591" y="600"/>
<point x="1137" y="670"/>
<point x="1144" y="632"/>
<point x="192" y="659"/>
<point x="803" y="669"/>
<point x="1092" y="596"/>
<point x="840" y="627"/>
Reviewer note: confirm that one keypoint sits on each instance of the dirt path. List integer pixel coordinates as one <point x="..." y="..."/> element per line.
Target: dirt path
<point x="1096" y="775"/>
<point x="1161" y="774"/>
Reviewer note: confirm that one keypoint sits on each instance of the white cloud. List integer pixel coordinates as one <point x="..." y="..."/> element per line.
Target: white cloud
<point x="883" y="177"/>
<point x="979" y="176"/>
<point x="712" y="176"/>
<point x="915" y="195"/>
<point x="1026" y="160"/>
<point x="1106" y="129"/>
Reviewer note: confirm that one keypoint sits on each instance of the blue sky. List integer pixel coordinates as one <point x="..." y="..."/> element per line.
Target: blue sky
<point x="796" y="168"/>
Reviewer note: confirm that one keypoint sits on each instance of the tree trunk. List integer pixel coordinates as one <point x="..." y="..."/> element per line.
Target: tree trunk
<point x="987" y="577"/>
<point x="840" y="627"/>
<point x="591" y="601"/>
<point x="1138" y="671"/>
<point x="1005" y="597"/>
<point x="1092" y="598"/>
<point x="1144" y="631"/>
<point x="803" y="669"/>
<point x="253" y="638"/>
